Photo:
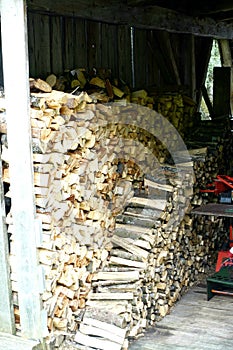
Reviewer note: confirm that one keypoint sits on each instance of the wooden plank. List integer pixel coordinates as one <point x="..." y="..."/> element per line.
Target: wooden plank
<point x="155" y="48"/>
<point x="56" y="44"/>
<point x="31" y="45"/>
<point x="172" y="57"/>
<point x="95" y="331"/>
<point x="188" y="58"/>
<point x="68" y="50"/>
<point x="80" y="47"/>
<point x="193" y="69"/>
<point x="214" y="209"/>
<point x="15" y="54"/>
<point x="140" y="60"/>
<point x="207" y="100"/>
<point x="226" y="58"/>
<point x="94" y="44"/>
<point x="124" y="54"/>
<point x="222" y="91"/>
<point x="109" y="58"/>
<point x="7" y="323"/>
<point x="41" y="45"/>
<point x="153" y="72"/>
<point x="225" y="51"/>
<point x="104" y="325"/>
<point x="202" y="51"/>
<point x="100" y="343"/>
<point x="168" y="56"/>
<point x="152" y="17"/>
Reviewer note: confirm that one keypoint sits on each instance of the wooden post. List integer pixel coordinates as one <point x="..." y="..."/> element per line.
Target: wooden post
<point x="222" y="91"/>
<point x="225" y="51"/>
<point x="16" y="84"/>
<point x="193" y="68"/>
<point x="226" y="58"/>
<point x="7" y="323"/>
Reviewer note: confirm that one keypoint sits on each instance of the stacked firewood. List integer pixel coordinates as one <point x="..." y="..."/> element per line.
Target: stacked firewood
<point x="99" y="84"/>
<point x="118" y="243"/>
<point x="179" y="109"/>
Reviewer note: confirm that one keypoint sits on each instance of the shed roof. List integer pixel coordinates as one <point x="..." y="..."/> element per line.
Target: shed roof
<point x="200" y="17"/>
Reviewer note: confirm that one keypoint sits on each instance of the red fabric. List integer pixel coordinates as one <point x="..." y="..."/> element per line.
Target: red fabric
<point x="224" y="258"/>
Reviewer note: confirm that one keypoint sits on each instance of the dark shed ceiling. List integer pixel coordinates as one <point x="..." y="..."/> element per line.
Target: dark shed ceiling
<point x="219" y="10"/>
<point x="210" y="18"/>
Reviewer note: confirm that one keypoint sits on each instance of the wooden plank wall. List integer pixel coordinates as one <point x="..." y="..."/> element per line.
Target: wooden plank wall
<point x="158" y="59"/>
<point x="58" y="43"/>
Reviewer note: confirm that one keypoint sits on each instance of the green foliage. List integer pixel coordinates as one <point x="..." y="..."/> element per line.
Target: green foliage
<point x="215" y="61"/>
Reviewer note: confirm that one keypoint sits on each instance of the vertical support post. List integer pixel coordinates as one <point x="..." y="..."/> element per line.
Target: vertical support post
<point x="193" y="69"/>
<point x="17" y="94"/>
<point x="7" y="323"/>
<point x="222" y="91"/>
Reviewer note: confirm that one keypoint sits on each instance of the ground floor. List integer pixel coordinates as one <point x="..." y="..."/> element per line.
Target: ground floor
<point x="194" y="323"/>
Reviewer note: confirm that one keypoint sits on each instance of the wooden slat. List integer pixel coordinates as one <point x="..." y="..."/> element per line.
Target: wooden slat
<point x="41" y="44"/>
<point x="153" y="42"/>
<point x="109" y="47"/>
<point x="202" y="52"/>
<point x="68" y="51"/>
<point x="140" y="60"/>
<point x="153" y="74"/>
<point x="15" y="54"/>
<point x="6" y="308"/>
<point x="80" y="47"/>
<point x="124" y="54"/>
<point x="207" y="100"/>
<point x="225" y="51"/>
<point x="187" y="62"/>
<point x="56" y="44"/>
<point x="94" y="44"/>
<point x="222" y="91"/>
<point x="31" y="45"/>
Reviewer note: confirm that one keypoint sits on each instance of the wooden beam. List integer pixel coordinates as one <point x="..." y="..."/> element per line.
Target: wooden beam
<point x="15" y="68"/>
<point x="207" y="100"/>
<point x="225" y="51"/>
<point x="7" y="323"/>
<point x="193" y="83"/>
<point x="203" y="48"/>
<point x="166" y="47"/>
<point x="151" y="17"/>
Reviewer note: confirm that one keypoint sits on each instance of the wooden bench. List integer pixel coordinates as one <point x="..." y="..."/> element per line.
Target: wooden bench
<point x="220" y="282"/>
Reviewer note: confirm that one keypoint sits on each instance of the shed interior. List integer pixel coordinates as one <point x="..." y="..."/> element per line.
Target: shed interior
<point x="115" y="184"/>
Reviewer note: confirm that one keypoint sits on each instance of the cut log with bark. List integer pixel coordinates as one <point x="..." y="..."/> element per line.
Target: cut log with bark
<point x="39" y="85"/>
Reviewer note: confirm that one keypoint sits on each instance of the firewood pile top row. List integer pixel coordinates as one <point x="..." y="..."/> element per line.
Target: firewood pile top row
<point x="102" y="87"/>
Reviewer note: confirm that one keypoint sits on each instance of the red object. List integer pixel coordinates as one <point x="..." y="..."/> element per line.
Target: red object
<point x="222" y="183"/>
<point x="225" y="258"/>
<point x="231" y="237"/>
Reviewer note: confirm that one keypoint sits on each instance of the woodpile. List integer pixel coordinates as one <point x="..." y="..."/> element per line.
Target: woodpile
<point x="179" y="109"/>
<point x="118" y="245"/>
